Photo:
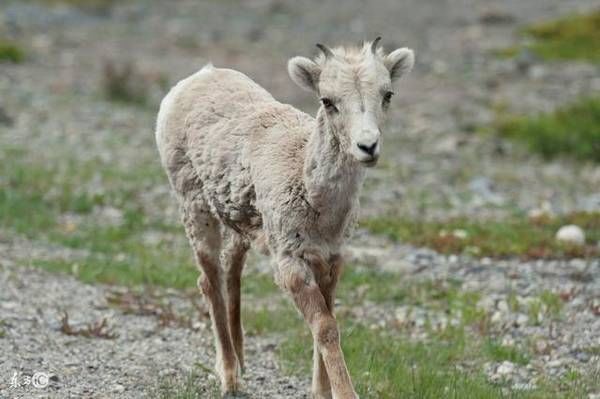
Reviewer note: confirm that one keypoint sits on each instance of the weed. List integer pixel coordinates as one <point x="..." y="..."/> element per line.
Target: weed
<point x="187" y="389"/>
<point x="500" y="353"/>
<point x="123" y="83"/>
<point x="552" y="302"/>
<point x="148" y="304"/>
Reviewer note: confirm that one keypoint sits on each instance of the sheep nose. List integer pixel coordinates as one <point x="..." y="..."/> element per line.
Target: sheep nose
<point x="369" y="149"/>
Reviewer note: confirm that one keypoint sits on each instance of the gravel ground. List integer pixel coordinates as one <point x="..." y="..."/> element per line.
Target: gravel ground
<point x="432" y="167"/>
<point x="131" y="365"/>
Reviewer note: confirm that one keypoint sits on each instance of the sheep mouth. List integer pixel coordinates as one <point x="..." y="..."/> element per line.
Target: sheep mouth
<point x="369" y="163"/>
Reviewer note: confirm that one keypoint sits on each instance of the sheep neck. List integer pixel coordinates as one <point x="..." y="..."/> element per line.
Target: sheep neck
<point x="331" y="176"/>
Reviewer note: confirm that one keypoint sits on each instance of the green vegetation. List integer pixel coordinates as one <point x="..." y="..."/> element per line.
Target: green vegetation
<point x="260" y="320"/>
<point x="98" y="6"/>
<point x="385" y="364"/>
<point x="123" y="83"/>
<point x="500" y="353"/>
<point x="56" y="201"/>
<point x="3" y="324"/>
<point x="10" y="52"/>
<point x="573" y="130"/>
<point x="388" y="366"/>
<point x="548" y="304"/>
<point x="513" y="236"/>
<point x="187" y="389"/>
<point x="572" y="37"/>
<point x="35" y="197"/>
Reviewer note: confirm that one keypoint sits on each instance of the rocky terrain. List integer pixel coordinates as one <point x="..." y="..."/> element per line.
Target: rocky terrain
<point x="58" y="112"/>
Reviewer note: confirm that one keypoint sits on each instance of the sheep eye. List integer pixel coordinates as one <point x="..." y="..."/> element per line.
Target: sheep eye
<point x="328" y="104"/>
<point x="387" y="97"/>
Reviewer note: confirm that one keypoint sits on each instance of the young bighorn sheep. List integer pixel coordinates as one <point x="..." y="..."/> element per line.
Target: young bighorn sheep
<point x="248" y="168"/>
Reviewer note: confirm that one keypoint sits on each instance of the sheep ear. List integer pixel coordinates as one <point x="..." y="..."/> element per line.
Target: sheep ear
<point x="399" y="62"/>
<point x="304" y="72"/>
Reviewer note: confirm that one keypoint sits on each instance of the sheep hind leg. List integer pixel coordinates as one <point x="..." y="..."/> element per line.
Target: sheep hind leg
<point x="204" y="232"/>
<point x="235" y="257"/>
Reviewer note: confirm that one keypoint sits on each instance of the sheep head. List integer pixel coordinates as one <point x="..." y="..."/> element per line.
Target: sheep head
<point x="355" y="87"/>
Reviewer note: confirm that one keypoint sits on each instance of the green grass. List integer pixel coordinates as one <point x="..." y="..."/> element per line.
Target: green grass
<point x="34" y="197"/>
<point x="500" y="353"/>
<point x="187" y="389"/>
<point x="3" y="324"/>
<point x="10" y="52"/>
<point x="572" y="37"/>
<point x="512" y="236"/>
<point x="573" y="130"/>
<point x="385" y="364"/>
<point x="88" y="5"/>
<point x="260" y="320"/>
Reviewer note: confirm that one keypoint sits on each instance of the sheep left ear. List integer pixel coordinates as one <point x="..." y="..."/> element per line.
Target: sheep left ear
<point x="304" y="72"/>
<point x="399" y="62"/>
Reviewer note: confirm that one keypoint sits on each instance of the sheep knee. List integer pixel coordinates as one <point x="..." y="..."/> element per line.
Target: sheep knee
<point x="293" y="276"/>
<point x="327" y="333"/>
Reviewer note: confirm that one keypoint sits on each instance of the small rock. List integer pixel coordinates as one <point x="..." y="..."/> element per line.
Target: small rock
<point x="506" y="368"/>
<point x="571" y="234"/>
<point x="118" y="388"/>
<point x="541" y="347"/>
<point x="522" y="319"/>
<point x="460" y="234"/>
<point x="523" y="386"/>
<point x="5" y="119"/>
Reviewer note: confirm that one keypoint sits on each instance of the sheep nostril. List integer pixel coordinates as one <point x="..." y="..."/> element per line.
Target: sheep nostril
<point x="369" y="149"/>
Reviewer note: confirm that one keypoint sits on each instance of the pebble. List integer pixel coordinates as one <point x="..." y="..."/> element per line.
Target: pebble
<point x="505" y="368"/>
<point x="572" y="234"/>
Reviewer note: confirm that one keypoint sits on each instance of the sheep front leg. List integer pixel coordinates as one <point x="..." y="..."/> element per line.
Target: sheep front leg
<point x="297" y="277"/>
<point x="327" y="275"/>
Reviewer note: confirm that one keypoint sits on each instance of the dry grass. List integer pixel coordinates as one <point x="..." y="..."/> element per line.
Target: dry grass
<point x="98" y="329"/>
<point x="148" y="304"/>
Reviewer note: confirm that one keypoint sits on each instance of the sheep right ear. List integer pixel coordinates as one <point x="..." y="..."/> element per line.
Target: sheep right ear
<point x="304" y="72"/>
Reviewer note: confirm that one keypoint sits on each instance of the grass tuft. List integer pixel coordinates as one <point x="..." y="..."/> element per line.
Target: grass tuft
<point x="187" y="389"/>
<point x="123" y="83"/>
<point x="573" y="37"/>
<point x="10" y="52"/>
<point x="573" y="130"/>
<point x="501" y="353"/>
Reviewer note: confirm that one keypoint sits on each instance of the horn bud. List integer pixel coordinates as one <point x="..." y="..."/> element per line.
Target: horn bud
<point x="325" y="50"/>
<point x="375" y="44"/>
